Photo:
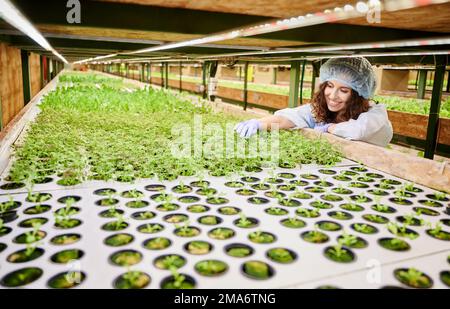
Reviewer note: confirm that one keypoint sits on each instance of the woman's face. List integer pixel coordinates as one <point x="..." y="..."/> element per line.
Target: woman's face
<point x="337" y="95"/>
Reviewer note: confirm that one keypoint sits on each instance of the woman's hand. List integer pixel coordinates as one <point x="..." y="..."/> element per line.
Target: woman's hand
<point x="331" y="128"/>
<point x="248" y="128"/>
<point x="325" y="128"/>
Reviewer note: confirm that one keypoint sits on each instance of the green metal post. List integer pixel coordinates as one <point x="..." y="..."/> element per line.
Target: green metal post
<point x="422" y="84"/>
<point x="41" y="60"/>
<point x="448" y="81"/>
<point x="433" y="118"/>
<point x="315" y="74"/>
<point x="274" y="77"/>
<point x="25" y="77"/>
<point x="142" y="72"/>
<point x="204" y="67"/>
<point x="181" y="74"/>
<point x="162" y="74"/>
<point x="166" y="67"/>
<point x="245" y="85"/>
<point x="49" y="77"/>
<point x="301" y="81"/>
<point x="293" y="83"/>
<point x="149" y="68"/>
<point x="127" y="70"/>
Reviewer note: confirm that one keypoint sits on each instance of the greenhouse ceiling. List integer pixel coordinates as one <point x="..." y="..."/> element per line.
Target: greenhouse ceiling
<point x="122" y="27"/>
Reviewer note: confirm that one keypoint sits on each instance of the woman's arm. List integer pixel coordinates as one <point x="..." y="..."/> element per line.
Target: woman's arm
<point x="372" y="126"/>
<point x="282" y="122"/>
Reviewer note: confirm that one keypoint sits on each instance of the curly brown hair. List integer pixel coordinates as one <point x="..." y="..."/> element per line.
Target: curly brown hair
<point x="354" y="107"/>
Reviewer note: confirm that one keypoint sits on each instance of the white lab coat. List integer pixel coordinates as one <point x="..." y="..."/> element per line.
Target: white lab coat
<point x="372" y="126"/>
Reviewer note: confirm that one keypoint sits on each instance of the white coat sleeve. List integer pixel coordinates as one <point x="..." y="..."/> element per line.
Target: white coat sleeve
<point x="300" y="116"/>
<point x="372" y="126"/>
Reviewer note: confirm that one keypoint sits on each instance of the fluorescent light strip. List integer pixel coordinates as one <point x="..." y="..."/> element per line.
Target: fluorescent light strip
<point x="372" y="45"/>
<point x="13" y="16"/>
<point x="392" y="54"/>
<point x="95" y="58"/>
<point x="348" y="11"/>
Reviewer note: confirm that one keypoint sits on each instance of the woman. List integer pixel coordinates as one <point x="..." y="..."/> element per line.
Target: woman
<point x="341" y="106"/>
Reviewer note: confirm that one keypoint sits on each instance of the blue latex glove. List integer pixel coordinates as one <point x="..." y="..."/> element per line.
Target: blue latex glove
<point x="322" y="128"/>
<point x="248" y="128"/>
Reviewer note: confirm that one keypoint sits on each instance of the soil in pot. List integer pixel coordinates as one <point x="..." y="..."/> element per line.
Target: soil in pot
<point x="137" y="204"/>
<point x="413" y="278"/>
<point x="180" y="281"/>
<point x="198" y="247"/>
<point x="340" y="215"/>
<point x="197" y="208"/>
<point x="211" y="268"/>
<point x="187" y="231"/>
<point x="293" y="223"/>
<point x="315" y="237"/>
<point x="394" y="244"/>
<point x="158" y="243"/>
<point x="169" y="261"/>
<point x="176" y="218"/>
<point x="256" y="200"/>
<point x="25" y="255"/>
<point x="229" y="211"/>
<point x="210" y="220"/>
<point x="118" y="240"/>
<point x="339" y="254"/>
<point x="188" y="199"/>
<point x="239" y="250"/>
<point x="246" y="223"/>
<point x="126" y="258"/>
<point x="37" y="210"/>
<point x="150" y="228"/>
<point x="65" y="239"/>
<point x="30" y="237"/>
<point x="66" y="280"/>
<point x="64" y="257"/>
<point x="21" y="277"/>
<point x="375" y="218"/>
<point x="281" y="255"/>
<point x="257" y="270"/>
<point x="329" y="226"/>
<point x="132" y="280"/>
<point x="143" y="215"/>
<point x="221" y="233"/>
<point x="260" y="237"/>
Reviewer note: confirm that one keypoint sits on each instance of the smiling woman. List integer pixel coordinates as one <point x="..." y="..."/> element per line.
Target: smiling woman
<point x="341" y="106"/>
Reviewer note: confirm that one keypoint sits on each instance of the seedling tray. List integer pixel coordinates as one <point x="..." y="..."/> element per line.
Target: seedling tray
<point x="307" y="265"/>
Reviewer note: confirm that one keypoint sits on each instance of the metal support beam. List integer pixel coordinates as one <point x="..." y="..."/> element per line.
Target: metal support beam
<point x="301" y="81"/>
<point x="26" y="77"/>
<point x="49" y="76"/>
<point x="142" y="73"/>
<point x="149" y="76"/>
<point x="315" y="74"/>
<point x="213" y="65"/>
<point x="433" y="118"/>
<point x="166" y="75"/>
<point x="448" y="81"/>
<point x="422" y="80"/>
<point x="274" y="77"/>
<point x="204" y="72"/>
<point x="41" y="65"/>
<point x="181" y="74"/>
<point x="162" y="74"/>
<point x="127" y="70"/>
<point x="245" y="85"/>
<point x="293" y="83"/>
